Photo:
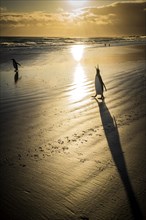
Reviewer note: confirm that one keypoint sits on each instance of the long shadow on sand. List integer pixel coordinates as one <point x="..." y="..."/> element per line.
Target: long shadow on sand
<point x="113" y="139"/>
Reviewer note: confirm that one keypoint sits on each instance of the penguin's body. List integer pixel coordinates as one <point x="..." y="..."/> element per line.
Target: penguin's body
<point x="99" y="84"/>
<point x="15" y="64"/>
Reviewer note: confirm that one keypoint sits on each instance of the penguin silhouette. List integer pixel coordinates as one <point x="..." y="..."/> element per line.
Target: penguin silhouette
<point x="15" y="64"/>
<point x="99" y="84"/>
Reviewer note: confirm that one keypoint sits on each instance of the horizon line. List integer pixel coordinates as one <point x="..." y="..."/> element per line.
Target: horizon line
<point x="74" y="36"/>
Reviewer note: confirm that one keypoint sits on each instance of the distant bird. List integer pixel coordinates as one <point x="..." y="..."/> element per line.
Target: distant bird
<point x="15" y="64"/>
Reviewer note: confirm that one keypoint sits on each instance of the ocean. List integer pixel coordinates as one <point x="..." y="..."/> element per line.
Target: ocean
<point x="43" y="42"/>
<point x="33" y="45"/>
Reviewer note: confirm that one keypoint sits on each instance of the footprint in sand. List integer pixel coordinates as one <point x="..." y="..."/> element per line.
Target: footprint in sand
<point x="22" y="165"/>
<point x="65" y="148"/>
<point x="82" y="160"/>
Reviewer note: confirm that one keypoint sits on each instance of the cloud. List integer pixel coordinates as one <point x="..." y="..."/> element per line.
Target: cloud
<point x="119" y="18"/>
<point x="121" y="15"/>
<point x="28" y="18"/>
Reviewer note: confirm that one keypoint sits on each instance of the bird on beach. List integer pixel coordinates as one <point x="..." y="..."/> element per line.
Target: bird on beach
<point x="15" y="64"/>
<point x="99" y="84"/>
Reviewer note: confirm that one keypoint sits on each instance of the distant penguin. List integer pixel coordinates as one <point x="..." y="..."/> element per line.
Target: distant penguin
<point x="99" y="84"/>
<point x="15" y="64"/>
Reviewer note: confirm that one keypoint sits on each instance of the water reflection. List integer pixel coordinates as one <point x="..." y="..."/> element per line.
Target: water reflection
<point x="79" y="90"/>
<point x="77" y="52"/>
<point x="16" y="76"/>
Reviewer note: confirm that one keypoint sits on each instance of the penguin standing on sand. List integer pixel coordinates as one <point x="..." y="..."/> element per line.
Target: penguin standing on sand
<point x="99" y="84"/>
<point x="15" y="64"/>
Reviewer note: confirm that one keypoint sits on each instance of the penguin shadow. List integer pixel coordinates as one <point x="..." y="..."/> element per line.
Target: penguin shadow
<point x="16" y="76"/>
<point x="113" y="139"/>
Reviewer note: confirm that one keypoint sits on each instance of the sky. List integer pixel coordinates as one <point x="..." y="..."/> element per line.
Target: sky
<point x="72" y="18"/>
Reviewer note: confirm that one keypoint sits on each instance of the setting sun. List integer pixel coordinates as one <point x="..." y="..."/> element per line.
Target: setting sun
<point x="79" y="3"/>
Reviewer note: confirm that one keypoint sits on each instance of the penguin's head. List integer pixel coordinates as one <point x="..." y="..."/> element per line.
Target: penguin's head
<point x="97" y="68"/>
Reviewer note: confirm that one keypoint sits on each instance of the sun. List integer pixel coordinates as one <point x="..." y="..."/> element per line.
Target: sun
<point x="77" y="3"/>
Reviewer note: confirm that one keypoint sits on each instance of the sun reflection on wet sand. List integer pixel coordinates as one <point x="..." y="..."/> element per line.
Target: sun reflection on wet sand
<point x="77" y="52"/>
<point x="79" y="90"/>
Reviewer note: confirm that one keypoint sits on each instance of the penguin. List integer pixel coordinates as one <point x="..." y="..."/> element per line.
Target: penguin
<point x="15" y="64"/>
<point x="99" y="84"/>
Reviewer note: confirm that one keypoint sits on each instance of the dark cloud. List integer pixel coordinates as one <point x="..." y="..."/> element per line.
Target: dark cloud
<point x="122" y="17"/>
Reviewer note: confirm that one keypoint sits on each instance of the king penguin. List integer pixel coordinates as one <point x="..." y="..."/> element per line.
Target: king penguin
<point x="99" y="84"/>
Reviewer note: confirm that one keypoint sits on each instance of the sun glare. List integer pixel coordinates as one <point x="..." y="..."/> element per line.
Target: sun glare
<point x="79" y="91"/>
<point x="77" y="52"/>
<point x="77" y="2"/>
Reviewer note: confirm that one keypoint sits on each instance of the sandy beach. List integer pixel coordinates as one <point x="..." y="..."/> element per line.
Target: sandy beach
<point x="64" y="154"/>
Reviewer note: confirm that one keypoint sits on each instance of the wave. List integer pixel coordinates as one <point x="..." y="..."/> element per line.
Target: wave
<point x="41" y="42"/>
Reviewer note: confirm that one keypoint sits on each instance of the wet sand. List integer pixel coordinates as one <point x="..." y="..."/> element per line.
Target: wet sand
<point x="64" y="154"/>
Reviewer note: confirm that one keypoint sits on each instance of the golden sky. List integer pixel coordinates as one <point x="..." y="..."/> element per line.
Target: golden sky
<point x="72" y="18"/>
